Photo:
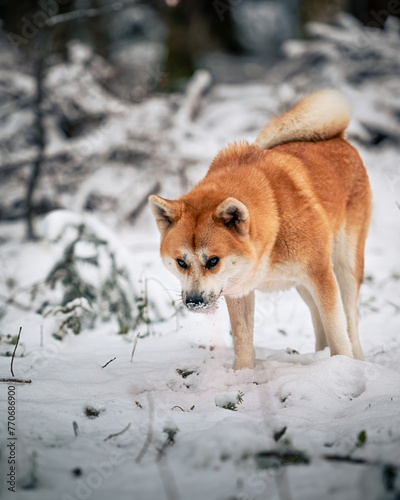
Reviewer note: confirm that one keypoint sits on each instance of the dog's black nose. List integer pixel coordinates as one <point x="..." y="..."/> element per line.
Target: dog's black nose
<point x="194" y="301"/>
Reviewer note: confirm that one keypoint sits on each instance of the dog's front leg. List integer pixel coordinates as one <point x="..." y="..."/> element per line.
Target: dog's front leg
<point x="241" y="313"/>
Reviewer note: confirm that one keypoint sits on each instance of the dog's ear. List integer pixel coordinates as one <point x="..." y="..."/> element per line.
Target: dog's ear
<point x="166" y="212"/>
<point x="234" y="214"/>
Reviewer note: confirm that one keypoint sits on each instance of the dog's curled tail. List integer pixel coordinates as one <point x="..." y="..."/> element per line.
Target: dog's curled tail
<point x="321" y="115"/>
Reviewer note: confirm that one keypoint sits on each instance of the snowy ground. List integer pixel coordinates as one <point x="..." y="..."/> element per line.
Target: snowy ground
<point x="309" y="426"/>
<point x="323" y="402"/>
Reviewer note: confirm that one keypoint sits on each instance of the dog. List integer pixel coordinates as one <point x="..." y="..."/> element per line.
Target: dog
<point x="290" y="210"/>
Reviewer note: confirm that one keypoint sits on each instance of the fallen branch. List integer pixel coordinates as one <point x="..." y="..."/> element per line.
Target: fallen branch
<point x="176" y="406"/>
<point x="108" y="362"/>
<point x="276" y="458"/>
<point x="15" y="349"/>
<point x="345" y="458"/>
<point x="15" y="380"/>
<point x="117" y="433"/>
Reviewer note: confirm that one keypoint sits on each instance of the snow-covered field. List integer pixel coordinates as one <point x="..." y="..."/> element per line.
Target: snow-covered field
<point x="308" y="426"/>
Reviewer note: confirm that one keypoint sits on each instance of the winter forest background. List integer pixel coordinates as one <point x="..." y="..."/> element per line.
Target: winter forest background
<point x="118" y="392"/>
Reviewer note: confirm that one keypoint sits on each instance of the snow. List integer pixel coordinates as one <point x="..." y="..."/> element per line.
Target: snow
<point x="181" y="375"/>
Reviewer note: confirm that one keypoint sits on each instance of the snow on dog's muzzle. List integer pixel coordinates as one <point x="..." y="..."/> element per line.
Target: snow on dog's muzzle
<point x="196" y="303"/>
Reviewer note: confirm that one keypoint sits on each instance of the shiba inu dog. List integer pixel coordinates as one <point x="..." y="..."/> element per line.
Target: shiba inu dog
<point x="290" y="210"/>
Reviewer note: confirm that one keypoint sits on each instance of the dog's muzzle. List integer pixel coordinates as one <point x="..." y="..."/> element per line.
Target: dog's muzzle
<point x="196" y="303"/>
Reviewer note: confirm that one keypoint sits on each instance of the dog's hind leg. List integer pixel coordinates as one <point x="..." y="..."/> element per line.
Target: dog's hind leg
<point x="348" y="264"/>
<point x="241" y="313"/>
<point x="324" y="289"/>
<point x="320" y="337"/>
<point x="348" y="252"/>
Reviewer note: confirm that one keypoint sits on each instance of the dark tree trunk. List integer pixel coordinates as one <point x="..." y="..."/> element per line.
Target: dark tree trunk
<point x="41" y="139"/>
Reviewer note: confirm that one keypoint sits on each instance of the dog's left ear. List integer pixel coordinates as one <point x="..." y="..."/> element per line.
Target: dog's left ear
<point x="166" y="212"/>
<point x="234" y="215"/>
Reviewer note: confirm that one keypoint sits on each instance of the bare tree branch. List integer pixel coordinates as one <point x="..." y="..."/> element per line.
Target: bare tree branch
<point x="82" y="13"/>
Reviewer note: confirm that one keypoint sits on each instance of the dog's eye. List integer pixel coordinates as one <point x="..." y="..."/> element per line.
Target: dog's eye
<point x="181" y="263"/>
<point x="212" y="262"/>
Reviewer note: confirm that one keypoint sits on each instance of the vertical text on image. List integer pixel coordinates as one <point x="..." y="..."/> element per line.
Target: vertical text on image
<point x="11" y="439"/>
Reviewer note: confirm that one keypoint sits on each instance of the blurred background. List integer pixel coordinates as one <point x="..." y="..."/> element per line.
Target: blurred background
<point x="89" y="85"/>
<point x="235" y="39"/>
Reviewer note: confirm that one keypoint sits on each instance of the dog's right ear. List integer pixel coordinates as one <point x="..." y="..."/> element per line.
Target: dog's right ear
<point x="166" y="212"/>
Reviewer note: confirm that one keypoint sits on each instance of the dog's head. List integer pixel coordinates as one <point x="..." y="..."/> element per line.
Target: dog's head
<point x="206" y="244"/>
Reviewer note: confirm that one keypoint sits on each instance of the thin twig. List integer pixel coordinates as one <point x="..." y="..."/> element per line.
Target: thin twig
<point x="177" y="308"/>
<point x="15" y="348"/>
<point x="108" y="362"/>
<point x="134" y="345"/>
<point x="176" y="406"/>
<point x="16" y="380"/>
<point x="149" y="436"/>
<point x="75" y="427"/>
<point x="117" y="433"/>
<point x="82" y="13"/>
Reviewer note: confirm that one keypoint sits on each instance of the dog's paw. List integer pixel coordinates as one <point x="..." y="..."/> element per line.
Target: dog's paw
<point x="241" y="363"/>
